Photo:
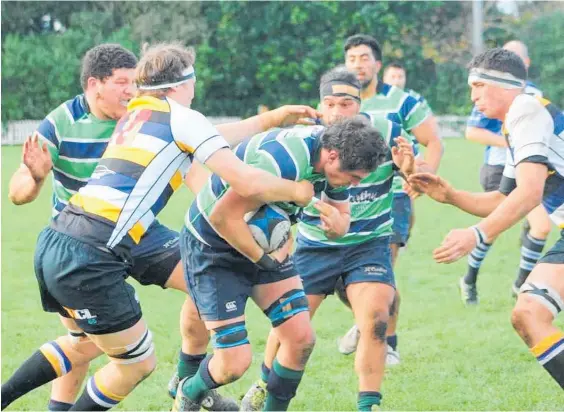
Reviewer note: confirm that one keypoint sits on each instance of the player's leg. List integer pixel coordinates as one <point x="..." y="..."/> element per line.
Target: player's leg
<point x="370" y="287"/>
<point x="65" y="389"/>
<point x="219" y="288"/>
<point x="55" y="359"/>
<point x="255" y="397"/>
<point x="540" y="300"/>
<point x="490" y="178"/>
<point x="285" y="304"/>
<point x="532" y="244"/>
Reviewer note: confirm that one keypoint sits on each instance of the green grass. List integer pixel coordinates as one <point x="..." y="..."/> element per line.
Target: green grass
<point x="453" y="358"/>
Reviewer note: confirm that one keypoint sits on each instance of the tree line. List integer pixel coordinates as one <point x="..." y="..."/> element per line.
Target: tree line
<point x="272" y="53"/>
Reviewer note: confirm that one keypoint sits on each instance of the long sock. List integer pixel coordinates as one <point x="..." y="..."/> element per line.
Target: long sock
<point x="45" y="365"/>
<point x="367" y="399"/>
<point x="198" y="385"/>
<point x="531" y="252"/>
<point x="475" y="259"/>
<point x="96" y="397"/>
<point x="188" y="364"/>
<point x="282" y="386"/>
<point x="392" y="341"/>
<point x="550" y="354"/>
<point x="264" y="373"/>
<point x="58" y="406"/>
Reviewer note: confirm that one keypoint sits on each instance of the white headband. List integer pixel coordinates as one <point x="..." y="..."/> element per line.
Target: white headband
<point x="187" y="74"/>
<point x="496" y="78"/>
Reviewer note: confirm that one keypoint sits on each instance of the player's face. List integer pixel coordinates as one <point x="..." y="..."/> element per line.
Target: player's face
<point x="335" y="108"/>
<point x="337" y="177"/>
<point x="395" y="76"/>
<point x="489" y="99"/>
<point x="362" y="62"/>
<point x="114" y="92"/>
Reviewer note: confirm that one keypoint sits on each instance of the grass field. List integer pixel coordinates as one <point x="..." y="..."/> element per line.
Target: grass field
<point x="453" y="357"/>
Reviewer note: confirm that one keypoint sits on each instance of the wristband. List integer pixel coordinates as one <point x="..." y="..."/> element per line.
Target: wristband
<point x="480" y="235"/>
<point x="267" y="263"/>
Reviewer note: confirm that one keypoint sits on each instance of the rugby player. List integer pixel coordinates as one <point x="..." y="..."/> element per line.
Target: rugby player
<point x="533" y="174"/>
<point x="396" y="75"/>
<point x="362" y="257"/>
<point x="363" y="56"/>
<point x="225" y="266"/>
<point x="83" y="258"/>
<point x="488" y="131"/>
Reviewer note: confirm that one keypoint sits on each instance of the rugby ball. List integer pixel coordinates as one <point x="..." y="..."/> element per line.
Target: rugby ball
<point x="270" y="226"/>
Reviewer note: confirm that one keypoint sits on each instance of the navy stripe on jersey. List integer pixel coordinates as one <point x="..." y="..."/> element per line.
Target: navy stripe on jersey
<point x="59" y="206"/>
<point x="116" y="181"/>
<point x="77" y="108"/>
<point x="78" y="150"/>
<point x="68" y="182"/>
<point x="123" y="167"/>
<point x="47" y="130"/>
<point x="285" y="162"/>
<point x="205" y="230"/>
<point x="160" y="117"/>
<point x="217" y="186"/>
<point x="160" y="203"/>
<point x="241" y="148"/>
<point x="371" y="192"/>
<point x="557" y="117"/>
<point x="158" y="130"/>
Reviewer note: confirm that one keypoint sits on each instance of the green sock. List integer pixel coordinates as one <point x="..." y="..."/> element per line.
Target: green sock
<point x="200" y="384"/>
<point x="188" y="364"/>
<point x="284" y="382"/>
<point x="367" y="399"/>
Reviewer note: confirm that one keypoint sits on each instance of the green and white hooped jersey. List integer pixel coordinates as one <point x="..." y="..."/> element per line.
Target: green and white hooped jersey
<point x="400" y="107"/>
<point x="370" y="201"/>
<point x="76" y="140"/>
<point x="286" y="153"/>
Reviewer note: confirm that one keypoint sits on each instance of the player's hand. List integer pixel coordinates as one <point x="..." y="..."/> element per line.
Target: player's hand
<point x="290" y="115"/>
<point x="458" y="243"/>
<point x="281" y="254"/>
<point x="333" y="223"/>
<point x="36" y="158"/>
<point x="304" y="193"/>
<point x="410" y="191"/>
<point x="403" y="156"/>
<point x="432" y="185"/>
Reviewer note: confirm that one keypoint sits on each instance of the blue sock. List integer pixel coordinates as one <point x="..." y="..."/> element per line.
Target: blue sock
<point x="392" y="341"/>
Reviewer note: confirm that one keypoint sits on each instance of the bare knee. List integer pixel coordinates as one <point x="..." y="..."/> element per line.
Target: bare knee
<point x="523" y="316"/>
<point x="234" y="362"/>
<point x="376" y="325"/>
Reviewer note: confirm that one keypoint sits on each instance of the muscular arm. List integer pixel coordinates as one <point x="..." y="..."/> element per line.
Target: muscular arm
<point x="227" y="218"/>
<point x="477" y="204"/>
<point x="531" y="178"/>
<point x="485" y="137"/>
<point x="254" y="183"/>
<point x="427" y="134"/>
<point x="23" y="187"/>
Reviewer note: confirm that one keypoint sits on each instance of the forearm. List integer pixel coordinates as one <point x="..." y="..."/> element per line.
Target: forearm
<point x="514" y="208"/>
<point x="267" y="188"/>
<point x="485" y="137"/>
<point x="23" y="188"/>
<point x="478" y="204"/>
<point x="433" y="154"/>
<point x="235" y="132"/>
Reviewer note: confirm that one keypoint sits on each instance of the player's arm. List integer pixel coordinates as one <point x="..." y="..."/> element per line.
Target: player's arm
<point x="195" y="134"/>
<point x="288" y="115"/>
<point x="227" y="218"/>
<point x="527" y="195"/>
<point x="485" y="137"/>
<point x="334" y="213"/>
<point x="427" y="133"/>
<point x="26" y="183"/>
<point x="478" y="204"/>
<point x="257" y="184"/>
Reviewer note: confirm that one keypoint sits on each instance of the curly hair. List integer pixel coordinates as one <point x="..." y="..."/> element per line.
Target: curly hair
<point x="101" y="61"/>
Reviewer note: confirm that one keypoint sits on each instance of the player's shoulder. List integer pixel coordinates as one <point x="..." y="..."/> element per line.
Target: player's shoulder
<point x="524" y="108"/>
<point x="69" y="111"/>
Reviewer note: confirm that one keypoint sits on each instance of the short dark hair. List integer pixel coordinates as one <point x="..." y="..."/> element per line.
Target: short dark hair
<point x="101" y="61"/>
<point x="395" y="65"/>
<point x="366" y="40"/>
<point x="501" y="60"/>
<point x="360" y="146"/>
<point x="341" y="74"/>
